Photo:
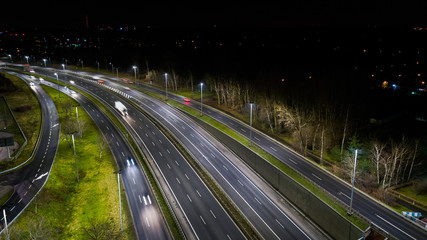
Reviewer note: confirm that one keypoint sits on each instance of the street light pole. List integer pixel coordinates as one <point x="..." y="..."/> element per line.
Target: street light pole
<point x="5" y="223"/>
<point x="120" y="199"/>
<point x="201" y="99"/>
<point x="250" y="129"/>
<point x="75" y="160"/>
<point x="134" y="70"/>
<point x="166" y="78"/>
<point x="57" y="83"/>
<point x="352" y="187"/>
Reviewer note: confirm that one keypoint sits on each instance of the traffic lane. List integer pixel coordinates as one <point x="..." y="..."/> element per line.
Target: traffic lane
<point x="122" y="153"/>
<point x="226" y="221"/>
<point x="192" y="192"/>
<point x="30" y="179"/>
<point x="392" y="223"/>
<point x="272" y="223"/>
<point x="202" y="149"/>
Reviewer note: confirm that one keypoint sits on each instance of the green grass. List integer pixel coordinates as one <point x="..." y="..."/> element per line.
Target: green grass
<point x="168" y="214"/>
<point x="413" y="193"/>
<point x="68" y="206"/>
<point x="296" y="176"/>
<point x="29" y="118"/>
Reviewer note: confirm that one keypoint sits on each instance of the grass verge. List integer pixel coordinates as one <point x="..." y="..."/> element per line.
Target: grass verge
<point x="67" y="209"/>
<point x="293" y="174"/>
<point x="167" y="212"/>
<point x="26" y="109"/>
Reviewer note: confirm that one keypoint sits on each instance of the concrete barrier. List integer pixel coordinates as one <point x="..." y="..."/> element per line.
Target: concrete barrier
<point x="337" y="226"/>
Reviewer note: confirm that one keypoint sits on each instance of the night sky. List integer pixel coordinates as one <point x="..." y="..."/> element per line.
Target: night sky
<point x="301" y="14"/>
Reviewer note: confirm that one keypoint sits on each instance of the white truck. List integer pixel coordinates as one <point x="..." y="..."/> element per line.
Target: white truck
<point x="122" y="109"/>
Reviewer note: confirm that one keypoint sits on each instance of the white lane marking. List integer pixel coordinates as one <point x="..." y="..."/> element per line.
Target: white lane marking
<point x="160" y="141"/>
<point x="20" y="200"/>
<point x="273" y="149"/>
<point x="123" y="154"/>
<point x="139" y="196"/>
<point x="168" y="165"/>
<point x="314" y="175"/>
<point x="145" y="200"/>
<point x="203" y="220"/>
<point x="153" y="143"/>
<point x="168" y="151"/>
<point x="112" y="135"/>
<point x="240" y="182"/>
<point x="117" y="144"/>
<point x="258" y="201"/>
<point x="189" y="198"/>
<point x="257" y="139"/>
<point x="293" y="161"/>
<point x="186" y="176"/>
<point x="147" y="221"/>
<point x="149" y="199"/>
<point x="341" y="193"/>
<point x="225" y="167"/>
<point x="394" y="226"/>
<point x="178" y="180"/>
<point x="212" y="214"/>
<point x="280" y="223"/>
<point x="243" y="130"/>
<point x="134" y="181"/>
<point x="161" y="155"/>
<point x="176" y="162"/>
<point x="198" y="193"/>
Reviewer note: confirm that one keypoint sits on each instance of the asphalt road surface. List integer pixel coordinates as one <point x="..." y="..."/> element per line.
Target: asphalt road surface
<point x="29" y="180"/>
<point x="147" y="218"/>
<point x="381" y="216"/>
<point x="207" y="218"/>
<point x="267" y="218"/>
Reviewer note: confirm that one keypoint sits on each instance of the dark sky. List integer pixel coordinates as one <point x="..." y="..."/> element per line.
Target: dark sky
<point x="296" y="14"/>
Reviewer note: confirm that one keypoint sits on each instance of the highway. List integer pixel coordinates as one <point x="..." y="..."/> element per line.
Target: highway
<point x="29" y="180"/>
<point x="147" y="218"/>
<point x="381" y="216"/>
<point x="261" y="211"/>
<point x="204" y="214"/>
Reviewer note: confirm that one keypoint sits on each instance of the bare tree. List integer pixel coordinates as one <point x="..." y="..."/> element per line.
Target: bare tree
<point x="414" y="155"/>
<point x="377" y="151"/>
<point x="101" y="230"/>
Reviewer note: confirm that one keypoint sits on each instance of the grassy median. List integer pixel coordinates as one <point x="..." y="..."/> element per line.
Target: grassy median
<point x="67" y="209"/>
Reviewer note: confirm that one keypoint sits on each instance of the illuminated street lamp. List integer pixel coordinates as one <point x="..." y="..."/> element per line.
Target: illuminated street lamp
<point x="201" y="99"/>
<point x="166" y="79"/>
<point x="26" y="57"/>
<point x="120" y="198"/>
<point x="250" y="129"/>
<point x="63" y="66"/>
<point x="44" y="60"/>
<point x="134" y="70"/>
<point x="352" y="184"/>
<point x="57" y="83"/>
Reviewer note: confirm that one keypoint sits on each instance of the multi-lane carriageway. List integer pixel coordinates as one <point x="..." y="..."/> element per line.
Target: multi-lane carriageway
<point x="264" y="214"/>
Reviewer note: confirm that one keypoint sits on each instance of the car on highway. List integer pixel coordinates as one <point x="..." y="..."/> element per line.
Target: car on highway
<point x="187" y="100"/>
<point x="127" y="88"/>
<point x="130" y="162"/>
